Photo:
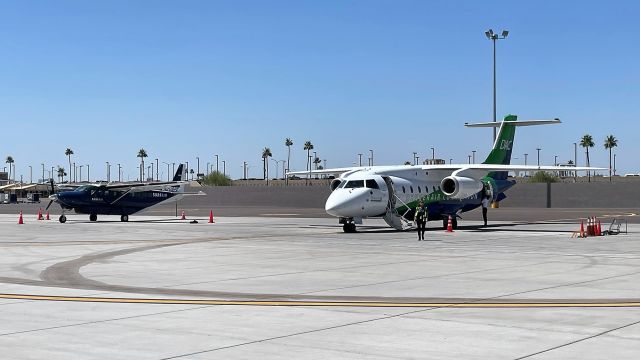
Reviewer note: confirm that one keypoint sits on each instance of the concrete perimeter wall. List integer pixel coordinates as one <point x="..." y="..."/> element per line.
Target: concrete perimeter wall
<point x="557" y="195"/>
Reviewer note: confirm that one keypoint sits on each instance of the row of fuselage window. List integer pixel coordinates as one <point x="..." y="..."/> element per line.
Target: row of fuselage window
<point x="372" y="184"/>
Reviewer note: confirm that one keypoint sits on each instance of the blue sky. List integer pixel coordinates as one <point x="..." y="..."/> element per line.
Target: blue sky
<point x="197" y="78"/>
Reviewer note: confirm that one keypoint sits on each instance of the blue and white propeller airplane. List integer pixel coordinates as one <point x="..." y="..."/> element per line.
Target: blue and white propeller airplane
<point x="394" y="192"/>
<point x="121" y="199"/>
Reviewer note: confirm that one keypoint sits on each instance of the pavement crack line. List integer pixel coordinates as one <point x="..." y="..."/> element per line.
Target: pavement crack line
<point x="102" y="321"/>
<point x="579" y="340"/>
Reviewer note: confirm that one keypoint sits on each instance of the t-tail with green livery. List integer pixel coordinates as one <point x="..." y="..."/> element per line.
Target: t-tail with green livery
<point x="393" y="192"/>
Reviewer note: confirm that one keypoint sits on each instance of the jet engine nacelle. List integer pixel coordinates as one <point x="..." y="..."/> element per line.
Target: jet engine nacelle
<point x="459" y="187"/>
<point x="335" y="183"/>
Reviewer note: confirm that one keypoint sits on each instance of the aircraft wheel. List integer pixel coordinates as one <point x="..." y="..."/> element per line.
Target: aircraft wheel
<point x="124" y="218"/>
<point x="62" y="219"/>
<point x="349" y="227"/>
<point x="93" y="217"/>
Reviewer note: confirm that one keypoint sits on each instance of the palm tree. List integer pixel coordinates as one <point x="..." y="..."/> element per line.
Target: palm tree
<point x="288" y="142"/>
<point x="10" y="161"/>
<point x="61" y="173"/>
<point x="191" y="172"/>
<point x="317" y="161"/>
<point x="266" y="153"/>
<point x="308" y="146"/>
<point x="68" y="153"/>
<point x="609" y="143"/>
<point x="142" y="153"/>
<point x="587" y="142"/>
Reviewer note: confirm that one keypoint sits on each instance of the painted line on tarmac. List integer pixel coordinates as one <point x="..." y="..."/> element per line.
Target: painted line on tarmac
<point x="285" y="303"/>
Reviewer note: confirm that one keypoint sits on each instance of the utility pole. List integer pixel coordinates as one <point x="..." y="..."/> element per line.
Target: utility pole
<point x="433" y="153"/>
<point x="360" y="157"/>
<point x="474" y="156"/>
<point x="538" y="156"/>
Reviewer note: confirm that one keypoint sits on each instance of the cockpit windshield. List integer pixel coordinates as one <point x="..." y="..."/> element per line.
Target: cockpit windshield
<point x="354" y="184"/>
<point x="85" y="188"/>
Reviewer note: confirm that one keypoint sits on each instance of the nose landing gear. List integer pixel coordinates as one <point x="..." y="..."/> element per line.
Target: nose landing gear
<point x="349" y="227"/>
<point x="124" y="218"/>
<point x="62" y="219"/>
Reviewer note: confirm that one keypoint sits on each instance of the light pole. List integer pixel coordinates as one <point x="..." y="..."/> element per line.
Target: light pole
<point x="555" y="160"/>
<point x="614" y="164"/>
<point x="198" y="160"/>
<point x="538" y="156"/>
<point x="450" y="161"/>
<point x="217" y="170"/>
<point x="157" y="170"/>
<point x="315" y="156"/>
<point x="30" y="174"/>
<point x="525" y="159"/>
<point x="152" y="171"/>
<point x="81" y="166"/>
<point x="42" y="172"/>
<point x="88" y="174"/>
<point x="119" y="173"/>
<point x="414" y="158"/>
<point x="277" y="167"/>
<point x="108" y="172"/>
<point x="575" y="161"/>
<point x="474" y="155"/>
<point x="433" y="153"/>
<point x="224" y="167"/>
<point x="371" y="151"/>
<point x="469" y="158"/>
<point x="360" y="158"/>
<point x="494" y="37"/>
<point x="244" y="168"/>
<point x="208" y="168"/>
<point x="168" y="169"/>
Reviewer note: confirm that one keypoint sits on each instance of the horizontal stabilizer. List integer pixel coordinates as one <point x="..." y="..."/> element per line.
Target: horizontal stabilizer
<point x="513" y="123"/>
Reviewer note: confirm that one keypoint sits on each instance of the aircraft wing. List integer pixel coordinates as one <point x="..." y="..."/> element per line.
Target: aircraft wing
<point x="137" y="187"/>
<point x="335" y="171"/>
<point x="478" y="170"/>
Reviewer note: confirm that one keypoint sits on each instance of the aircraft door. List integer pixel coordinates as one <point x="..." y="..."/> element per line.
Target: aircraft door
<point x="392" y="198"/>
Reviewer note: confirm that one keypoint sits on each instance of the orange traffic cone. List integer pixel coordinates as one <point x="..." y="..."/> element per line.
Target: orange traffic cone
<point x="40" y="214"/>
<point x="449" y="225"/>
<point x="582" y="234"/>
<point x="599" y="228"/>
<point x="20" y="221"/>
<point x="211" y="221"/>
<point x="183" y="216"/>
<point x="47" y="218"/>
<point x="589" y="227"/>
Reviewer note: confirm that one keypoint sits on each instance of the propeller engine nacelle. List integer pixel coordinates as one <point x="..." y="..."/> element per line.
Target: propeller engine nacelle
<point x="459" y="187"/>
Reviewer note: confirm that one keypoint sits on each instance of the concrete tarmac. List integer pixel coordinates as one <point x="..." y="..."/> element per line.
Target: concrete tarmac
<point x="278" y="287"/>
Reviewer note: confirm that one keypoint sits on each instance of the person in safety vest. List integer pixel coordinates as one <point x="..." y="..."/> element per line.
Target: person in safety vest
<point x="420" y="218"/>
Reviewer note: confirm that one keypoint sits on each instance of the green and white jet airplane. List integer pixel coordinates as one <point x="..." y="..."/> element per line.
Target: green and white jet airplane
<point x="393" y="192"/>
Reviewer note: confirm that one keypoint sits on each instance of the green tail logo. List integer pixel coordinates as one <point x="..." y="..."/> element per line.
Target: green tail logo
<point x="501" y="152"/>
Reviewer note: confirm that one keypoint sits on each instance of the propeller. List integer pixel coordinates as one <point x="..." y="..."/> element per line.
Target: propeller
<point x="53" y="192"/>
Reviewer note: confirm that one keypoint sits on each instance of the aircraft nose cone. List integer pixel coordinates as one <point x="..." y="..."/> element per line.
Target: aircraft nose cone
<point x="340" y="204"/>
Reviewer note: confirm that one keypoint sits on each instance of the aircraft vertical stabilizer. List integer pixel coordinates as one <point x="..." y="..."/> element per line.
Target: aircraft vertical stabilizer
<point x="180" y="173"/>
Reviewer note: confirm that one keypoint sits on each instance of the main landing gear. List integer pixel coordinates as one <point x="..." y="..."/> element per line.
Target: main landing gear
<point x="62" y="219"/>
<point x="124" y="218"/>
<point x="93" y="217"/>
